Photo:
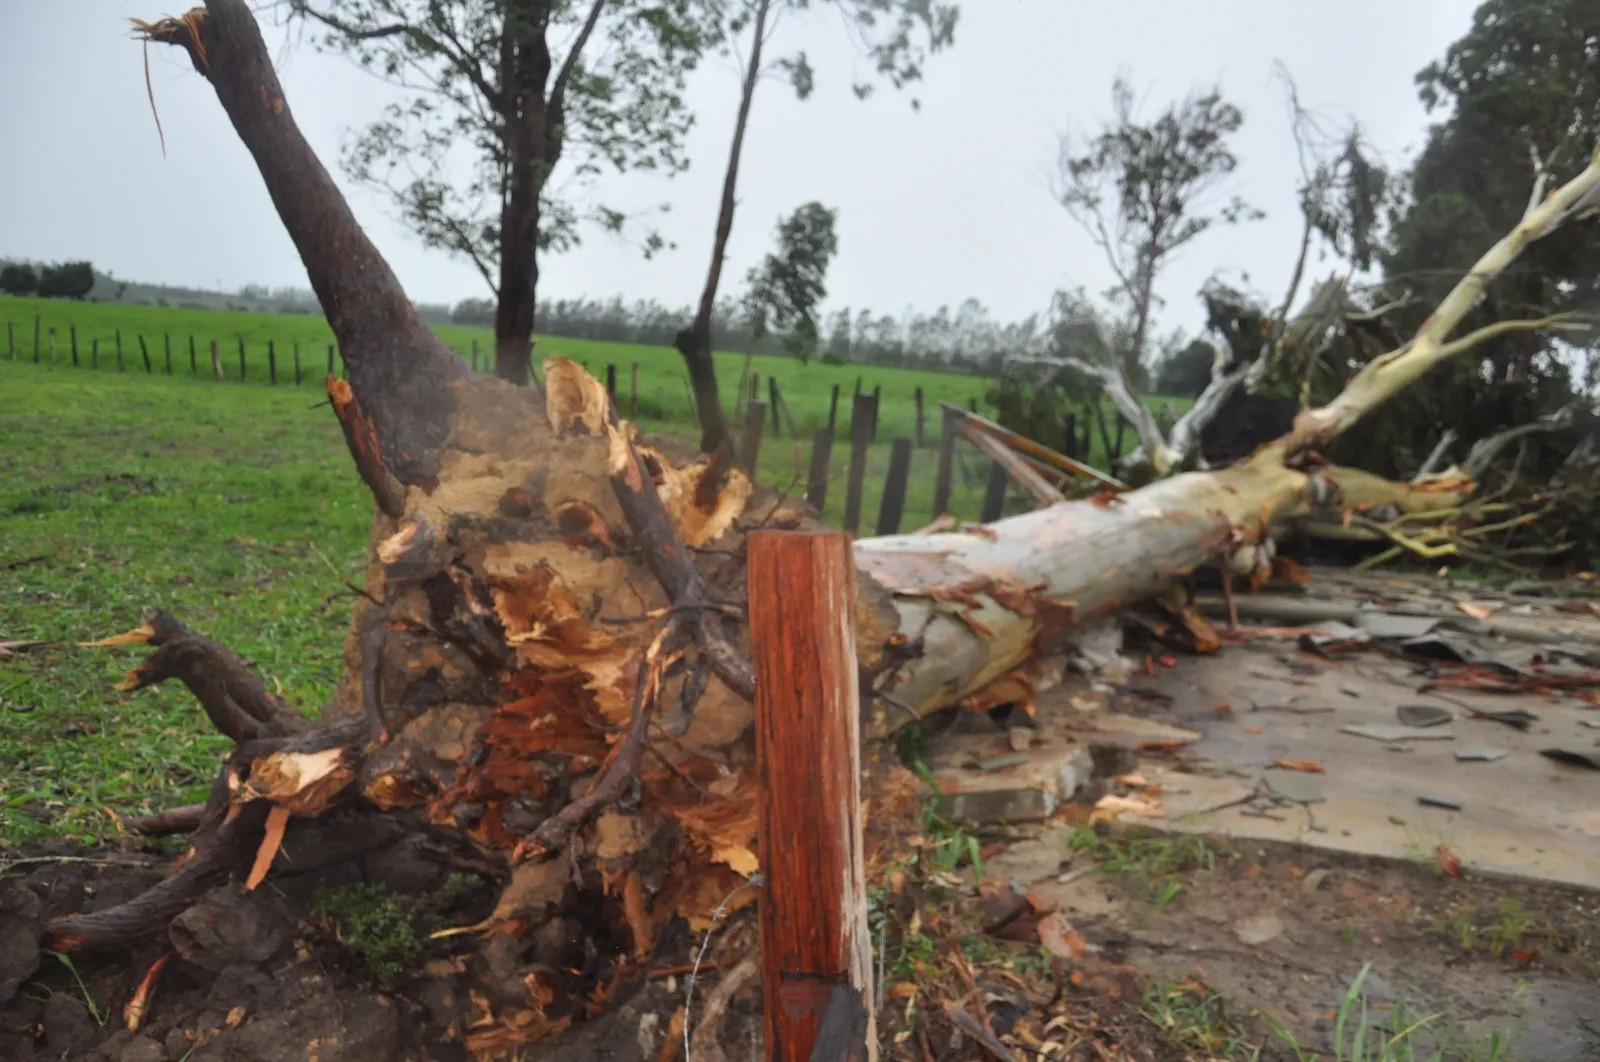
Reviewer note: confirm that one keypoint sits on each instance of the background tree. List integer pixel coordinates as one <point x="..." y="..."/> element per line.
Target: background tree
<point x="899" y="35"/>
<point x="68" y="280"/>
<point x="789" y="284"/>
<point x="1186" y="370"/>
<point x="492" y="94"/>
<point x="19" y="278"/>
<point x="1143" y="189"/>
<point x="1519" y="100"/>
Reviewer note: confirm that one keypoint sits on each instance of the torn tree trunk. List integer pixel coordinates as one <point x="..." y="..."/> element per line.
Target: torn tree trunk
<point x="548" y="667"/>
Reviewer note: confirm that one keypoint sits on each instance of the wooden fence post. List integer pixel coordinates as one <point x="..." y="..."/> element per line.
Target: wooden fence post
<point x="755" y="418"/>
<point x="241" y="358"/>
<point x="194" y="360"/>
<point x="272" y="362"/>
<point x="861" y="416"/>
<point x="772" y="391"/>
<point x="52" y="346"/>
<point x="816" y="951"/>
<point x="297" y="363"/>
<point x="948" y="433"/>
<point x="94" y="353"/>
<point x="877" y="398"/>
<point x="817" y="480"/>
<point x="216" y="362"/>
<point x="119" y="350"/>
<point x="611" y="382"/>
<point x="166" y="339"/>
<point x="994" y="492"/>
<point x="36" y="338"/>
<point x="73" y="332"/>
<point x="917" y="396"/>
<point x="633" y="394"/>
<point x="894" y="487"/>
<point x="833" y="409"/>
<point x="144" y="353"/>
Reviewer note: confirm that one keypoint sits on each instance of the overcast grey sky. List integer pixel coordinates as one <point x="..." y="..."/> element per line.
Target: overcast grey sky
<point x="934" y="206"/>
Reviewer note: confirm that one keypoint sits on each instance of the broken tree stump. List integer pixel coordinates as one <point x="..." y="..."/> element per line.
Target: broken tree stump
<point x="814" y="935"/>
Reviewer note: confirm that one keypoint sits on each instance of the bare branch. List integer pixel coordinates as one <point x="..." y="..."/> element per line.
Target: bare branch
<point x="558" y="90"/>
<point x="1556" y="322"/>
<point x="1440" y="451"/>
<point x="1484" y="451"/>
<point x="458" y="55"/>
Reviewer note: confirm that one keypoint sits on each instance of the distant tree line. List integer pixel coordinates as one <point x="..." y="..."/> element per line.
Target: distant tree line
<point x="66" y="280"/>
<point x="966" y="338"/>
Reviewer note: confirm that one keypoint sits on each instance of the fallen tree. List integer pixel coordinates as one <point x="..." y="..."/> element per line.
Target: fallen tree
<point x="546" y="673"/>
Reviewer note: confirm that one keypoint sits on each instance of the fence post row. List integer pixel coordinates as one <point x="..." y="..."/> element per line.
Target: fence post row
<point x="816" y="953"/>
<point x="194" y="362"/>
<point x="755" y="418"/>
<point x="948" y="431"/>
<point x="166" y="339"/>
<point x="94" y="353"/>
<point x="119" y="349"/>
<point x="241" y="359"/>
<point x="894" y="487"/>
<point x="861" y="417"/>
<point x="72" y="331"/>
<point x="144" y="353"/>
<point x="833" y="409"/>
<point x="36" y="338"/>
<point x="216" y="361"/>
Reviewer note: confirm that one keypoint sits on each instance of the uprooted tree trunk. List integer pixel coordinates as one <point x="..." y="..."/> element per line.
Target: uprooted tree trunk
<point x="548" y="669"/>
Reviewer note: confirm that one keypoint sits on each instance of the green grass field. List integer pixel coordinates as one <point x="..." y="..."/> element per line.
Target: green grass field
<point x="664" y="401"/>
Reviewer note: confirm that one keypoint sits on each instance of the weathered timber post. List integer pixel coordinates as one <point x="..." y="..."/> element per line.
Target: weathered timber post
<point x="119" y="350"/>
<point x="816" y="954"/>
<point x="833" y="409"/>
<point x="36" y="339"/>
<point x="994" y="493"/>
<point x="917" y="397"/>
<point x="817" y="480"/>
<point x="144" y="353"/>
<point x="755" y="418"/>
<point x="241" y="358"/>
<point x="948" y="433"/>
<point x="194" y="359"/>
<point x="94" y="353"/>
<point x="216" y="362"/>
<point x="862" y="415"/>
<point x="775" y="398"/>
<point x="611" y="382"/>
<point x="877" y="404"/>
<point x="272" y="362"/>
<point x="72" y="333"/>
<point x="894" y="487"/>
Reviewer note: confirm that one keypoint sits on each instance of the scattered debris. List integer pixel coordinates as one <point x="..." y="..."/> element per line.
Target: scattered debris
<point x="1481" y="754"/>
<point x="1422" y="715"/>
<point x="1516" y="718"/>
<point x="1379" y="732"/>
<point x="1449" y="803"/>
<point x="1258" y="929"/>
<point x="1573" y="758"/>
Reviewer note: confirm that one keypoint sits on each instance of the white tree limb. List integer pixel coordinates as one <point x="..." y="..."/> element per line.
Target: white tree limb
<point x="1485" y="450"/>
<point x="1387" y="375"/>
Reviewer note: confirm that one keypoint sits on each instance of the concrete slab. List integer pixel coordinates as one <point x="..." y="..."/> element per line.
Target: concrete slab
<point x="1521" y="814"/>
